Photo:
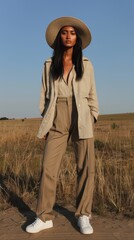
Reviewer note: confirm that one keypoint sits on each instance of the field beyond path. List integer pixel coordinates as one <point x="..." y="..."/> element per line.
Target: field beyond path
<point x="20" y="167"/>
<point x="13" y="223"/>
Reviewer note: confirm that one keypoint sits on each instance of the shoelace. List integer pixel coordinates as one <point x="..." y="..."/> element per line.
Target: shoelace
<point x="85" y="221"/>
<point x="36" y="221"/>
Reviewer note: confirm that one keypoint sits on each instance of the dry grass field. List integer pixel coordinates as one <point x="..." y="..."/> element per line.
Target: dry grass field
<point x="21" y="157"/>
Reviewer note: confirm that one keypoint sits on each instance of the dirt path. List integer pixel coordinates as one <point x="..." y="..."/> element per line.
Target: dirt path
<point x="13" y="223"/>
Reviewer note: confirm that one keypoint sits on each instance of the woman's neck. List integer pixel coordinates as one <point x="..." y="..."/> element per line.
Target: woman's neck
<point x="67" y="55"/>
<point x="67" y="63"/>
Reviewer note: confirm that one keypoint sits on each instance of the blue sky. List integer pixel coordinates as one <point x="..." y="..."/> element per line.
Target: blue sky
<point x="23" y="51"/>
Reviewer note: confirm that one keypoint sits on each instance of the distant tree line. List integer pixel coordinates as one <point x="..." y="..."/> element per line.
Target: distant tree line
<point x="4" y="118"/>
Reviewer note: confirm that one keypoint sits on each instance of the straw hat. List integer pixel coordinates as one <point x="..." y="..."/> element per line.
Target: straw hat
<point x="55" y="26"/>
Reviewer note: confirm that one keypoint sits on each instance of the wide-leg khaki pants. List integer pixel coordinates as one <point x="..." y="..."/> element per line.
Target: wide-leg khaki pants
<point x="64" y="127"/>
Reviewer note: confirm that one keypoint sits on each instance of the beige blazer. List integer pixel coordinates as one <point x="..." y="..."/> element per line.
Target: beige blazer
<point x="85" y="97"/>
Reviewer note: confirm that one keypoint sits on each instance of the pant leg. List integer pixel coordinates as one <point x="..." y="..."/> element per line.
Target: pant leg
<point x="85" y="160"/>
<point x="54" y="149"/>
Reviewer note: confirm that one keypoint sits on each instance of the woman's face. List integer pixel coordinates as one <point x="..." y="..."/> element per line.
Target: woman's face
<point x="68" y="36"/>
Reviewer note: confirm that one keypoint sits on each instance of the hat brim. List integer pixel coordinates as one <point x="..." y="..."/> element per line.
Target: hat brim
<point x="55" y="26"/>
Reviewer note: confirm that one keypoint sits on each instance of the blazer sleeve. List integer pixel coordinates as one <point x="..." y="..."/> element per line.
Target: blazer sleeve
<point x="43" y="91"/>
<point x="93" y="100"/>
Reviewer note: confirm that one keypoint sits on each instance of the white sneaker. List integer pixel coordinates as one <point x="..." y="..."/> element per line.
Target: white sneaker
<point x="38" y="225"/>
<point x="84" y="225"/>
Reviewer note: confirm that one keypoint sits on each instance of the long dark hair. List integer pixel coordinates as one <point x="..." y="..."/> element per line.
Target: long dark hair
<point x="57" y="58"/>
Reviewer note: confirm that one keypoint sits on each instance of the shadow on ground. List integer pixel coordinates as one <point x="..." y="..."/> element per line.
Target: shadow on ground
<point x="14" y="200"/>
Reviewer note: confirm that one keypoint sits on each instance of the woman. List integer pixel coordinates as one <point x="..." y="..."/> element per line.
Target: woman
<point x="69" y="108"/>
